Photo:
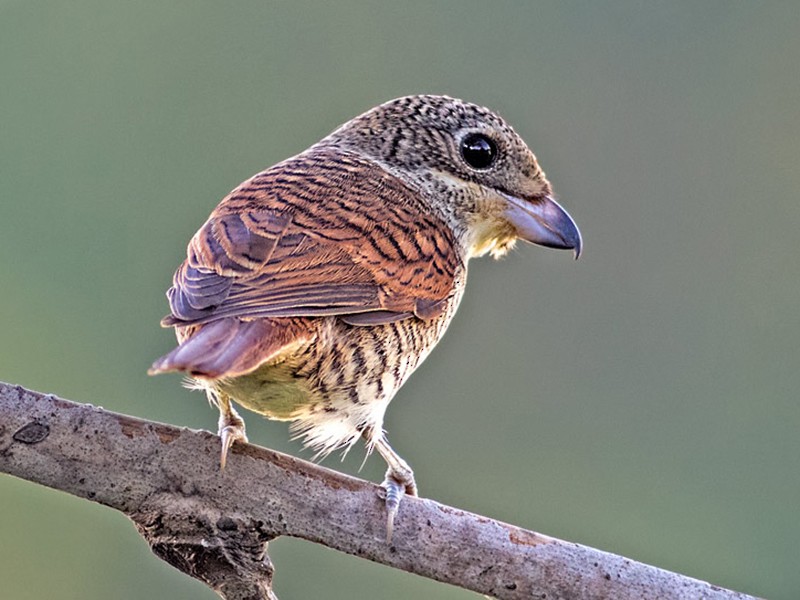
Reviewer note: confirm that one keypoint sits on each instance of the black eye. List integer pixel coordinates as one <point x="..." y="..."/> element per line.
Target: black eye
<point x="478" y="151"/>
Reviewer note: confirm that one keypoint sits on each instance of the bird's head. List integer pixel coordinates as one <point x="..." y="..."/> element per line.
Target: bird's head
<point x="475" y="171"/>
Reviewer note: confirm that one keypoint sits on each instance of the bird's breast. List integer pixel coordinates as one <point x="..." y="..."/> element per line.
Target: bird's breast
<point x="369" y="364"/>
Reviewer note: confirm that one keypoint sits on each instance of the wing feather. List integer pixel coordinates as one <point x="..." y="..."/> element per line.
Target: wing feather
<point x="324" y="233"/>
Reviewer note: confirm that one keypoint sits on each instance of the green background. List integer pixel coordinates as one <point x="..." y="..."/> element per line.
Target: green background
<point x="643" y="400"/>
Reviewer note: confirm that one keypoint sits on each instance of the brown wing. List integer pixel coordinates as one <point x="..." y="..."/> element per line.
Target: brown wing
<point x="324" y="233"/>
<point x="231" y="347"/>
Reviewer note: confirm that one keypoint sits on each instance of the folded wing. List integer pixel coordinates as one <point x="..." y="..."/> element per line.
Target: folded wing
<point x="324" y="233"/>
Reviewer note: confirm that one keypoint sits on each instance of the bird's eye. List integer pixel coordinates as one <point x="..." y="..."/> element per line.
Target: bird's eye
<point x="478" y="151"/>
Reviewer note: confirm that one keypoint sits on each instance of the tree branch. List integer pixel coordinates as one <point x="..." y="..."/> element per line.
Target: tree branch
<point x="215" y="525"/>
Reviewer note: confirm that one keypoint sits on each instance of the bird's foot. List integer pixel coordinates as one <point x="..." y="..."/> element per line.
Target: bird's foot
<point x="231" y="429"/>
<point x="397" y="484"/>
<point x="399" y="479"/>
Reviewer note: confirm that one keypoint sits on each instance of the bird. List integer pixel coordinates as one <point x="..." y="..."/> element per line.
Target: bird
<point x="317" y="287"/>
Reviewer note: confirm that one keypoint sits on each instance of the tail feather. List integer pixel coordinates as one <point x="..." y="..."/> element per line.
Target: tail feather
<point x="229" y="347"/>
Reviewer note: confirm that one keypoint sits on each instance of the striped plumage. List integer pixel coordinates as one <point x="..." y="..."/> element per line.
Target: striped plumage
<point x="345" y="375"/>
<point x="316" y="287"/>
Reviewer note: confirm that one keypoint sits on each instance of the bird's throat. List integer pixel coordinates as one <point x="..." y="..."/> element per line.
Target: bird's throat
<point x="490" y="236"/>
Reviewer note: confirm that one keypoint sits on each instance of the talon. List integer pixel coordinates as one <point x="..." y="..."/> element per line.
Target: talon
<point x="230" y="427"/>
<point x="228" y="435"/>
<point x="394" y="493"/>
<point x="399" y="481"/>
<point x="396" y="487"/>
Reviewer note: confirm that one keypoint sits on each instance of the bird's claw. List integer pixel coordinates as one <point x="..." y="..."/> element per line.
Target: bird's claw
<point x="229" y="434"/>
<point x="396" y="487"/>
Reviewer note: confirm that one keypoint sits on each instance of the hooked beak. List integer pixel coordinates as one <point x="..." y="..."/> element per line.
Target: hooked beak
<point x="542" y="221"/>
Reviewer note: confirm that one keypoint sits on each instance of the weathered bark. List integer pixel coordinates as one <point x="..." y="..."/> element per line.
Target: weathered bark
<point x="215" y="525"/>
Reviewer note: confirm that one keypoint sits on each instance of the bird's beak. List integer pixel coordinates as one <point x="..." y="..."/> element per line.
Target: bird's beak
<point x="542" y="221"/>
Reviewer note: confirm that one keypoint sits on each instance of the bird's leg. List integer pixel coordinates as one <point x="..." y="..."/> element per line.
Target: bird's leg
<point x="399" y="481"/>
<point x="231" y="426"/>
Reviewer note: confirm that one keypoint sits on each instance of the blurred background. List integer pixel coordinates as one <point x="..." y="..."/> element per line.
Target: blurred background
<point x="643" y="400"/>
